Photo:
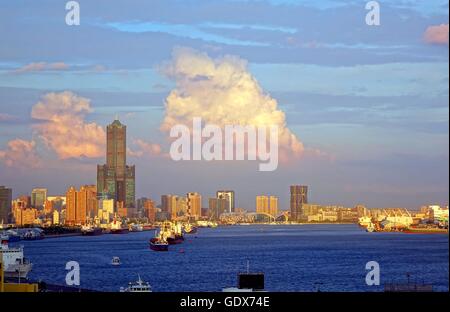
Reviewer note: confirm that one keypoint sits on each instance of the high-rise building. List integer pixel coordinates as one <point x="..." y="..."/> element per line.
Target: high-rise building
<point x="218" y="206"/>
<point x="71" y="206"/>
<point x="150" y="210"/>
<point x="262" y="204"/>
<point x="5" y="203"/>
<point x="299" y="196"/>
<point x="228" y="195"/>
<point x="173" y="206"/>
<point x="106" y="209"/>
<point x="194" y="205"/>
<point x="181" y="207"/>
<point x="86" y="205"/>
<point x="273" y="206"/>
<point x="267" y="204"/>
<point x="115" y="179"/>
<point x="38" y="197"/>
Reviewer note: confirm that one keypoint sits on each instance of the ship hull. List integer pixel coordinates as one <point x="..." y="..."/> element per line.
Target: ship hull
<point x="119" y="231"/>
<point x="157" y="246"/>
<point x="425" y="231"/>
<point x="178" y="239"/>
<point x="94" y="232"/>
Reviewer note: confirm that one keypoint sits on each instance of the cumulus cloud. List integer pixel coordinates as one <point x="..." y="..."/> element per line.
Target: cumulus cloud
<point x="40" y="66"/>
<point x="437" y="34"/>
<point x="20" y="154"/>
<point x="143" y="148"/>
<point x="222" y="92"/>
<point x="62" y="126"/>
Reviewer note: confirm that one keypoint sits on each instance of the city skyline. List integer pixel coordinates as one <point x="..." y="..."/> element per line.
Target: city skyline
<point x="363" y="109"/>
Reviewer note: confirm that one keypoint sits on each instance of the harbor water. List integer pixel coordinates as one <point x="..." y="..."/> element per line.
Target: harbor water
<point x="293" y="258"/>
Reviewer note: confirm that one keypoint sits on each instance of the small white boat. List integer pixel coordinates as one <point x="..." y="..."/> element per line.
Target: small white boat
<point x="138" y="286"/>
<point x="115" y="261"/>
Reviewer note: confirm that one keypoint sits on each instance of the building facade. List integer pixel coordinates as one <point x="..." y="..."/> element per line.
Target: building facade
<point x="115" y="179"/>
<point x="299" y="196"/>
<point x="5" y="203"/>
<point x="38" y="197"/>
<point x="194" y="205"/>
<point x="229" y="195"/>
<point x="267" y="205"/>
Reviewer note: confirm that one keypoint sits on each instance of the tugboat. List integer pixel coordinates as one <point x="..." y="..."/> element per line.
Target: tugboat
<point x="159" y="242"/>
<point x="14" y="263"/>
<point x="176" y="236"/>
<point x="138" y="286"/>
<point x="117" y="227"/>
<point x="89" y="230"/>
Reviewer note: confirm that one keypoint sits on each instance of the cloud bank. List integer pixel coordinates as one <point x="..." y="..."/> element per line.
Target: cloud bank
<point x="437" y="34"/>
<point x="41" y="66"/>
<point x="20" y="154"/>
<point x="222" y="92"/>
<point x="62" y="126"/>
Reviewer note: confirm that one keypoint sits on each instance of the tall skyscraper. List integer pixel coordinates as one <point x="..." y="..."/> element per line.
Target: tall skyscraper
<point x="5" y="203"/>
<point x="299" y="196"/>
<point x="116" y="179"/>
<point x="228" y="195"/>
<point x="194" y="205"/>
<point x="38" y="197"/>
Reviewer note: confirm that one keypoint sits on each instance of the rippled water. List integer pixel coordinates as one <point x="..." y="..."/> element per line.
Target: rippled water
<point x="293" y="258"/>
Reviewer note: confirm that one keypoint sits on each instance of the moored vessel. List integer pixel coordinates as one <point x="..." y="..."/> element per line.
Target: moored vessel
<point x="117" y="227"/>
<point x="14" y="263"/>
<point x="89" y="230"/>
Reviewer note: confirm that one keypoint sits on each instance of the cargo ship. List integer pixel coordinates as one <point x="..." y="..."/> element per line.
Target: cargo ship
<point x="176" y="233"/>
<point x="159" y="242"/>
<point x="14" y="263"/>
<point x="117" y="227"/>
<point x="89" y="230"/>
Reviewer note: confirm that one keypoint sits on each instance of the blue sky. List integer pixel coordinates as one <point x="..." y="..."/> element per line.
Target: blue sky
<point x="374" y="100"/>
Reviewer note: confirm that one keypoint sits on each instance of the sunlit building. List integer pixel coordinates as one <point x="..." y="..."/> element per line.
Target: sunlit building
<point x="150" y="210"/>
<point x="115" y="179"/>
<point x="229" y="195"/>
<point x="194" y="205"/>
<point x="71" y="206"/>
<point x="267" y="205"/>
<point x="38" y="197"/>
